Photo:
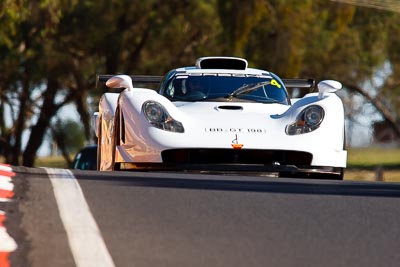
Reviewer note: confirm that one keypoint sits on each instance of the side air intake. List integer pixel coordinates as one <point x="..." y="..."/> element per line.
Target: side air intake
<point x="230" y="63"/>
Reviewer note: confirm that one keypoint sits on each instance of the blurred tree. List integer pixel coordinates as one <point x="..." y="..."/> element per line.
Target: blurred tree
<point x="51" y="51"/>
<point x="20" y="71"/>
<point x="55" y="48"/>
<point x="69" y="137"/>
<point x="239" y="23"/>
<point x="323" y="40"/>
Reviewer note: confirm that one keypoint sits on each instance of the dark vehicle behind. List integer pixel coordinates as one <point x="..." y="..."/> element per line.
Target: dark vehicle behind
<point x="86" y="158"/>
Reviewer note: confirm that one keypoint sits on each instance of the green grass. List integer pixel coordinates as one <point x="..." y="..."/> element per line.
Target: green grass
<point x="372" y="164"/>
<point x="388" y="158"/>
<point x="51" y="162"/>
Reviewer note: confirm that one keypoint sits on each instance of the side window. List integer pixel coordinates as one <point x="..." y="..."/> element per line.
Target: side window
<point x="170" y="90"/>
<point x="165" y="83"/>
<point x="173" y="88"/>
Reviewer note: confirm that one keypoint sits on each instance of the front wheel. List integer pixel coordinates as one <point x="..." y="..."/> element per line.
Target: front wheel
<point x="98" y="160"/>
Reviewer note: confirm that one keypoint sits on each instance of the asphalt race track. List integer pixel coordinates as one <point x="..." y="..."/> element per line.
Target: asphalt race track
<point x="87" y="218"/>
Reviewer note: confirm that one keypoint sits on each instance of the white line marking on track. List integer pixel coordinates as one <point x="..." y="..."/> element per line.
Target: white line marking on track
<point x="85" y="240"/>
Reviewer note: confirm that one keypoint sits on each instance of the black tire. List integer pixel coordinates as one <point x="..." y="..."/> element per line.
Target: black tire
<point x="99" y="144"/>
<point x="116" y="141"/>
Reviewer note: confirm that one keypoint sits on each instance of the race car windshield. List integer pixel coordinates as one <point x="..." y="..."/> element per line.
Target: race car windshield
<point x="228" y="88"/>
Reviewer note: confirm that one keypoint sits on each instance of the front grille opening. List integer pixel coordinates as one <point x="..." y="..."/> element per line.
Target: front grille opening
<point x="231" y="156"/>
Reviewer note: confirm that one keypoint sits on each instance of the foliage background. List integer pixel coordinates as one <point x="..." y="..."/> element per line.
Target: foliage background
<point x="51" y="51"/>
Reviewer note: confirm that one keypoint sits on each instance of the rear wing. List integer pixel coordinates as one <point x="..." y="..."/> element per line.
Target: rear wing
<point x="136" y="79"/>
<point x="299" y="83"/>
<point x="152" y="79"/>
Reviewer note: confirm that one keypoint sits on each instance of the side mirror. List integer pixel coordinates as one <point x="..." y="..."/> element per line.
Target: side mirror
<point x="328" y="86"/>
<point x="120" y="81"/>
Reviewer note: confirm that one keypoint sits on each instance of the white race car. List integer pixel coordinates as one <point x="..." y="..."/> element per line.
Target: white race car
<point x="221" y="115"/>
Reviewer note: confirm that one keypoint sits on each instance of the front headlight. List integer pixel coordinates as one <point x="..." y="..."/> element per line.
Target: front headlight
<point x="307" y="121"/>
<point x="158" y="116"/>
<point x="313" y="115"/>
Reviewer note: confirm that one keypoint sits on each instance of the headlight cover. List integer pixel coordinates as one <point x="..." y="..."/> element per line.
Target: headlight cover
<point x="158" y="116"/>
<point x="307" y="121"/>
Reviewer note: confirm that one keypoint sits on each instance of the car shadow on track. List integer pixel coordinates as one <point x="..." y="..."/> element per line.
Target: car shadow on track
<point x="243" y="183"/>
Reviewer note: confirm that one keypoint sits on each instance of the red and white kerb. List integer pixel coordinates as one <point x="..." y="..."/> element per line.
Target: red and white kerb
<point x="7" y="244"/>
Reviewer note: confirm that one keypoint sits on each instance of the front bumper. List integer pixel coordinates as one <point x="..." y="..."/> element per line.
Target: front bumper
<point x="290" y="171"/>
<point x="315" y="157"/>
<point x="257" y="162"/>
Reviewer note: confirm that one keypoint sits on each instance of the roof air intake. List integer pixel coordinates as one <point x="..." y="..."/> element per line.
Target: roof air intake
<point x="230" y="63"/>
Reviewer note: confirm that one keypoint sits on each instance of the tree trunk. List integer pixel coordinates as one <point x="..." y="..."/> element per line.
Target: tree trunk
<point x="20" y="124"/>
<point x="48" y="110"/>
<point x="4" y="134"/>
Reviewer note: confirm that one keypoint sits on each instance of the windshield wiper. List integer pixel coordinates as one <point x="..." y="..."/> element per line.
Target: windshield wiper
<point x="242" y="99"/>
<point x="247" y="88"/>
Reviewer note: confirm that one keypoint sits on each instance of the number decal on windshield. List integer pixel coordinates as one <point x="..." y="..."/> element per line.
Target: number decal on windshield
<point x="275" y="83"/>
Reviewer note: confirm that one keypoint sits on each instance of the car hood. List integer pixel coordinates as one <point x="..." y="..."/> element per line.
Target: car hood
<point x="212" y="115"/>
<point x="203" y="109"/>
